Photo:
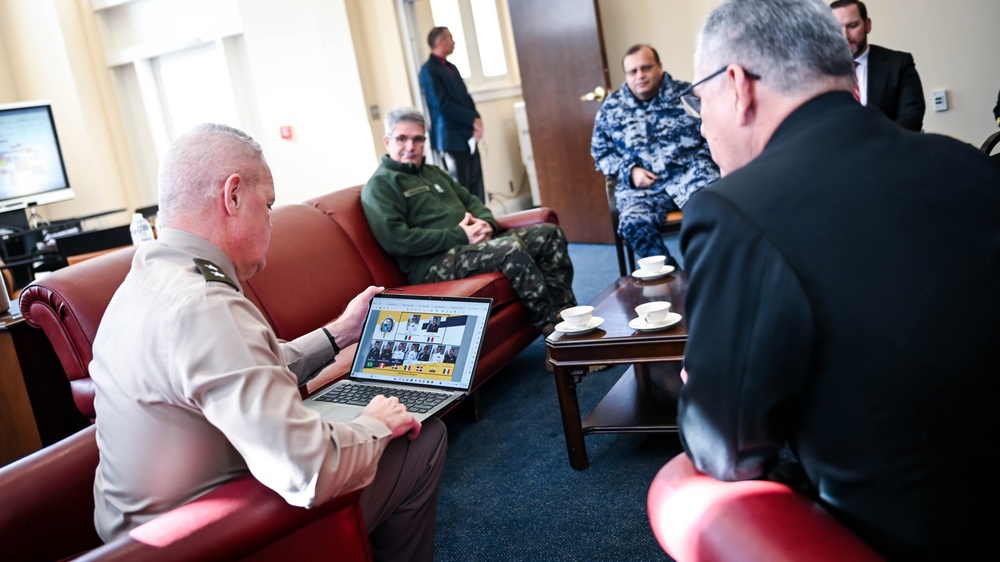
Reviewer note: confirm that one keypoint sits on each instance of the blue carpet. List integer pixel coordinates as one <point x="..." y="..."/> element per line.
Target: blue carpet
<point x="508" y="491"/>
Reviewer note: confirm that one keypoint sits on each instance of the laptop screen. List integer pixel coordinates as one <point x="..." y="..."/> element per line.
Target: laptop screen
<point x="425" y="340"/>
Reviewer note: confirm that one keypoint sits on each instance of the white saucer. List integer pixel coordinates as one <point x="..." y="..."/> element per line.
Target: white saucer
<point x="568" y="328"/>
<point x="641" y="325"/>
<point x="663" y="272"/>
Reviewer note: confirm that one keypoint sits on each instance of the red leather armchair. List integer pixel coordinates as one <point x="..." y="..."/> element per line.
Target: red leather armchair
<point x="697" y="518"/>
<point x="48" y="514"/>
<point x="322" y="254"/>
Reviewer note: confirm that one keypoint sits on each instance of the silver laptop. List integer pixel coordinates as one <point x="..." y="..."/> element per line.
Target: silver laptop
<point x="423" y="349"/>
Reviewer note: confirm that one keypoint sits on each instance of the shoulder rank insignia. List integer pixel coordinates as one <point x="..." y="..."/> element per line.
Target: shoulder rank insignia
<point x="212" y="272"/>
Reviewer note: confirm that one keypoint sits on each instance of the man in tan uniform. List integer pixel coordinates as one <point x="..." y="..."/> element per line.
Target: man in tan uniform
<point x="193" y="388"/>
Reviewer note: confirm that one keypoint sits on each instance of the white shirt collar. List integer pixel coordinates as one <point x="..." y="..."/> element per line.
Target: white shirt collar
<point x="863" y="59"/>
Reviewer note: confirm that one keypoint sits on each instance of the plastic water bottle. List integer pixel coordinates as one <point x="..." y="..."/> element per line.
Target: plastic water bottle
<point x="141" y="230"/>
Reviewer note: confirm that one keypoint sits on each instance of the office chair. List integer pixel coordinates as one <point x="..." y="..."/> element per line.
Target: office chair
<point x="991" y="142"/>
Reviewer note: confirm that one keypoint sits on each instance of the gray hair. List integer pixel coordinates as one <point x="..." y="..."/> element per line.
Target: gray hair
<point x="198" y="162"/>
<point x="404" y="114"/>
<point x="790" y="43"/>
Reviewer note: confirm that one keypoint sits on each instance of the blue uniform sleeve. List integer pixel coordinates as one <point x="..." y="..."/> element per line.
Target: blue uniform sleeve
<point x="611" y="158"/>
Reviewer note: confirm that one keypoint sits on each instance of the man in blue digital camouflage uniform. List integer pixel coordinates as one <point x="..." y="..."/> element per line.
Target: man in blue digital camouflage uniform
<point x="646" y="141"/>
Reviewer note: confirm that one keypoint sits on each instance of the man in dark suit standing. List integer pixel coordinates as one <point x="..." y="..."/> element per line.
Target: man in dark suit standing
<point x="456" y="127"/>
<point x="887" y="79"/>
<point x="842" y="290"/>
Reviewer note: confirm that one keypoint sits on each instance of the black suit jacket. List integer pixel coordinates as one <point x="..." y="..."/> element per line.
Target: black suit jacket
<point x="894" y="87"/>
<point x="844" y="298"/>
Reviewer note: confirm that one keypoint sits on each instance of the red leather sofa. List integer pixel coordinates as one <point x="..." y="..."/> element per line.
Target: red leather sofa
<point x="48" y="514"/>
<point x="697" y="518"/>
<point x="322" y="254"/>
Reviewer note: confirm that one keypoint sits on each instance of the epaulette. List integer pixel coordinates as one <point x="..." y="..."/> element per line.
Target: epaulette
<point x="212" y="272"/>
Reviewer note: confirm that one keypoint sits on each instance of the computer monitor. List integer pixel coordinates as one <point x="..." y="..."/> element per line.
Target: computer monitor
<point x="32" y="170"/>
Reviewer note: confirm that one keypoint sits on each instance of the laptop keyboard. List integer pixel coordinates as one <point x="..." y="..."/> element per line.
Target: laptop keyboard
<point x="416" y="401"/>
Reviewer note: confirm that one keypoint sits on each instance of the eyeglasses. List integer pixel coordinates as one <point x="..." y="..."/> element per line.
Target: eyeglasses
<point x="403" y="139"/>
<point x="692" y="103"/>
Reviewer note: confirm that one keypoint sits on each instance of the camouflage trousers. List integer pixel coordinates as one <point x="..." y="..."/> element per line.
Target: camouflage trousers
<point x="640" y="220"/>
<point x="535" y="259"/>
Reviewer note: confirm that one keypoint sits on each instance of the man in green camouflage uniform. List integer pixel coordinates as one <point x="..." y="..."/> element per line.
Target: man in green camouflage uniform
<point x="438" y="231"/>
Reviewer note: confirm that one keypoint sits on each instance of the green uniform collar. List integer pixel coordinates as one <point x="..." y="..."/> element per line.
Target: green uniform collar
<point x="404" y="167"/>
<point x="212" y="272"/>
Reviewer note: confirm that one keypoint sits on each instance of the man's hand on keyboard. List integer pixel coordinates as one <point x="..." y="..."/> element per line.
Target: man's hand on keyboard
<point x="394" y="415"/>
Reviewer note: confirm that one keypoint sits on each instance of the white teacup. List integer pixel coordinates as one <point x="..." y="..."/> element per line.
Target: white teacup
<point x="653" y="312"/>
<point x="578" y="315"/>
<point x="651" y="264"/>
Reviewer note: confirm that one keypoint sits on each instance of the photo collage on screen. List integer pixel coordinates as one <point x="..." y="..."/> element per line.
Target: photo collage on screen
<point x="424" y="345"/>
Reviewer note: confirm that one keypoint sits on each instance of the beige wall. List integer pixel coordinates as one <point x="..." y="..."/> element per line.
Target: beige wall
<point x="8" y="88"/>
<point x="955" y="47"/>
<point x="670" y="26"/>
<point x="48" y="57"/>
<point x="381" y="63"/>
<point x="379" y="43"/>
<point x="954" y="44"/>
<point x="504" y="173"/>
<point x="303" y="61"/>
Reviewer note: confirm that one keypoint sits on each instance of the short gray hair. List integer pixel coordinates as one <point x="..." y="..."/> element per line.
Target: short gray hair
<point x="790" y="43"/>
<point x="198" y="162"/>
<point x="401" y="115"/>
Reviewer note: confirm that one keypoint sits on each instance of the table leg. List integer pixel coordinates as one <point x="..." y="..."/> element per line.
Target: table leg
<point x="566" y="380"/>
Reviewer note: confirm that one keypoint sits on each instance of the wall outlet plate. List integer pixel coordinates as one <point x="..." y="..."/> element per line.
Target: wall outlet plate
<point x="940" y="100"/>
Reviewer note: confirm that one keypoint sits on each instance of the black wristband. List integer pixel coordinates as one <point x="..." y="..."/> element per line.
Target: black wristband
<point x="333" y="342"/>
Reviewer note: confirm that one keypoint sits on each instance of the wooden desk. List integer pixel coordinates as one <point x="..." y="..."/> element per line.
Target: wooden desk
<point x="19" y="436"/>
<point x="36" y="406"/>
<point x="645" y="398"/>
<point x="90" y="255"/>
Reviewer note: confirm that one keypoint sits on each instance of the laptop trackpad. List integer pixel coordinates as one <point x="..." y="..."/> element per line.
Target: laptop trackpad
<point x="334" y="412"/>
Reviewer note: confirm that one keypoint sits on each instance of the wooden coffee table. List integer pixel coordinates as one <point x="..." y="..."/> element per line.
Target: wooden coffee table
<point x="644" y="400"/>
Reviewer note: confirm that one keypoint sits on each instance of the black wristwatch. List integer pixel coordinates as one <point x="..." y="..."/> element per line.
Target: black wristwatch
<point x="333" y="342"/>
